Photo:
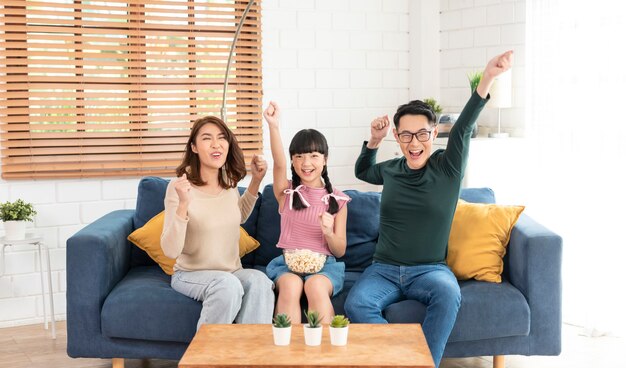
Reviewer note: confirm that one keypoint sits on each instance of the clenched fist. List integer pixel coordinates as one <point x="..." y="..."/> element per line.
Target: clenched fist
<point x="182" y="186"/>
<point x="258" y="166"/>
<point x="380" y="128"/>
<point x="327" y="222"/>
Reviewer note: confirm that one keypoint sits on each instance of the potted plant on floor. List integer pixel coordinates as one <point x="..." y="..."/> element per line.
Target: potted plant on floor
<point x="313" y="330"/>
<point x="14" y="216"/>
<point x="339" y="330"/>
<point x="281" y="329"/>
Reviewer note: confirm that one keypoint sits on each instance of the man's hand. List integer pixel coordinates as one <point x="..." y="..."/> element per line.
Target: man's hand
<point x="272" y="115"/>
<point x="182" y="186"/>
<point x="258" y="166"/>
<point x="378" y="130"/>
<point x="327" y="222"/>
<point x="499" y="65"/>
<point x="494" y="68"/>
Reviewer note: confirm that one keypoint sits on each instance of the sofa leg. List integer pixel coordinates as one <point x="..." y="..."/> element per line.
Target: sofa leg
<point x="498" y="361"/>
<point x="117" y="363"/>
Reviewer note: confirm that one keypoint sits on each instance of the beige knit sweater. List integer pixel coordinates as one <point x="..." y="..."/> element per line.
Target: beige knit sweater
<point x="208" y="239"/>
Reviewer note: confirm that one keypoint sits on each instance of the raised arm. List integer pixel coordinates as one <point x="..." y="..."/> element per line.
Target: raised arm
<point x="366" y="168"/>
<point x="272" y="116"/>
<point x="457" y="150"/>
<point x="494" y="68"/>
<point x="176" y="219"/>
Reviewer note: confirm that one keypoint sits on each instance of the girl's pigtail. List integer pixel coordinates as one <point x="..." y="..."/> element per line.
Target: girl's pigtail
<point x="333" y="206"/>
<point x="295" y="182"/>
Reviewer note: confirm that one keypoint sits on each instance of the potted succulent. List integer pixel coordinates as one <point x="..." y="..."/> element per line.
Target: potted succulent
<point x="281" y="329"/>
<point x="313" y="330"/>
<point x="14" y="215"/>
<point x="339" y="330"/>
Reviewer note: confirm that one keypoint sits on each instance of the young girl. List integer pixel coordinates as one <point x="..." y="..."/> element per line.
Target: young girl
<point x="203" y="210"/>
<point x="313" y="219"/>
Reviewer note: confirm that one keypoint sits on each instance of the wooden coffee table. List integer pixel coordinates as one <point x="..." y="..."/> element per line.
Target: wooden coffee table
<point x="369" y="345"/>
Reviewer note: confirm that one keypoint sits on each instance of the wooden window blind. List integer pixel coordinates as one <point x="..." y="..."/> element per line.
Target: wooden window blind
<point x="111" y="87"/>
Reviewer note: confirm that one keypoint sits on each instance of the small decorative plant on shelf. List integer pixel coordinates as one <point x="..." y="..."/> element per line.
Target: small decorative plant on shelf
<point x="313" y="330"/>
<point x="281" y="329"/>
<point x="15" y="215"/>
<point x="339" y="330"/>
<point x="434" y="106"/>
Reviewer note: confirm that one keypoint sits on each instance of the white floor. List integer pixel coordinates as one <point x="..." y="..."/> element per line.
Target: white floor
<point x="578" y="351"/>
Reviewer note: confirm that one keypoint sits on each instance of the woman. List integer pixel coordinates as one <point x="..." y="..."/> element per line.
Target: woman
<point x="203" y="211"/>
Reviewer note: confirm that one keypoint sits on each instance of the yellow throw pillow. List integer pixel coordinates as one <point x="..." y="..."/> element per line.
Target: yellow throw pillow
<point x="478" y="238"/>
<point x="148" y="238"/>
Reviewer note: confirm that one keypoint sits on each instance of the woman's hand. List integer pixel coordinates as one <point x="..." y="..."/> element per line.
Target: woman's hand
<point x="258" y="166"/>
<point x="272" y="115"/>
<point x="182" y="186"/>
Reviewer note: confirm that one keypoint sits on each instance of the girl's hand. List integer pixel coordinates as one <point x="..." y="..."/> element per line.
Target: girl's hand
<point x="499" y="64"/>
<point x="327" y="222"/>
<point x="272" y="114"/>
<point x="258" y="166"/>
<point x="182" y="186"/>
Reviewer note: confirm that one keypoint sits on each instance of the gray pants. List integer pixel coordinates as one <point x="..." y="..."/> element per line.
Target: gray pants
<point x="244" y="296"/>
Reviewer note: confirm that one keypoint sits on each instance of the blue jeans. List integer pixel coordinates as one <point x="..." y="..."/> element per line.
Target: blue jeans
<point x="433" y="285"/>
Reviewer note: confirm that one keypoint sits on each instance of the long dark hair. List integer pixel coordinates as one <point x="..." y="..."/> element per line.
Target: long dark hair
<point x="233" y="170"/>
<point x="308" y="141"/>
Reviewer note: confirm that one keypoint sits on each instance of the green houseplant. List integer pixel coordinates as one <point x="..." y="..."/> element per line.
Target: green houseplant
<point x="313" y="329"/>
<point x="474" y="79"/>
<point x="434" y="105"/>
<point x="15" y="215"/>
<point x="281" y="329"/>
<point x="339" y="330"/>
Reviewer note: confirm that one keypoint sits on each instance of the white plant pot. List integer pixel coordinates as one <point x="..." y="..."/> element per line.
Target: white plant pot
<point x="312" y="336"/>
<point x="15" y="230"/>
<point x="282" y="335"/>
<point x="339" y="335"/>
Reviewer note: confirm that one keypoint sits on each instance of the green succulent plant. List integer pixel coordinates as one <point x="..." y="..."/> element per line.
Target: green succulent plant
<point x="339" y="321"/>
<point x="282" y="321"/>
<point x="314" y="318"/>
<point x="17" y="211"/>
<point x="433" y="105"/>
<point x="474" y="79"/>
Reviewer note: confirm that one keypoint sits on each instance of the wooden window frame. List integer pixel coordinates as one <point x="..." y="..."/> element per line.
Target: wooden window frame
<point x="111" y="88"/>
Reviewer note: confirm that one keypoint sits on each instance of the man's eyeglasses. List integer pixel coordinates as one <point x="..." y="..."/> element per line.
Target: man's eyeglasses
<point x="422" y="136"/>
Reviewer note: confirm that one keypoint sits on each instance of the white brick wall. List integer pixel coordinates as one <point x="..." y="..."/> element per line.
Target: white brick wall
<point x="472" y="31"/>
<point x="342" y="63"/>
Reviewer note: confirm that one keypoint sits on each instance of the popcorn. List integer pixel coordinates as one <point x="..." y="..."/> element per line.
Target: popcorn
<point x="304" y="261"/>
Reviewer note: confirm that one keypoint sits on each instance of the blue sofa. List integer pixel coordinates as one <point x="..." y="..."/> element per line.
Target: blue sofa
<point x="120" y="303"/>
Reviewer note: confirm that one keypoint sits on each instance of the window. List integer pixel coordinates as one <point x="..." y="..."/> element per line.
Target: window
<point x="111" y="88"/>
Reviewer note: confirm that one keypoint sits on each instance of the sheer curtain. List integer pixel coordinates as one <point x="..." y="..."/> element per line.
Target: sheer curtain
<point x="576" y="57"/>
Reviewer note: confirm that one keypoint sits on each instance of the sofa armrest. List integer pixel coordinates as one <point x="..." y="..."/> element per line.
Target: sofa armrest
<point x="534" y="267"/>
<point x="98" y="257"/>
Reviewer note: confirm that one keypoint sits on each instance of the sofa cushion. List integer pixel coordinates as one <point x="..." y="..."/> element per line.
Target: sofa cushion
<point x="143" y="306"/>
<point x="478" y="195"/>
<point x="361" y="229"/>
<point x="479" y="236"/>
<point x="479" y="317"/>
<point x="268" y="228"/>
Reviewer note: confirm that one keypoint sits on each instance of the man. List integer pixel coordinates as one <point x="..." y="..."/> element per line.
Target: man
<point x="418" y="201"/>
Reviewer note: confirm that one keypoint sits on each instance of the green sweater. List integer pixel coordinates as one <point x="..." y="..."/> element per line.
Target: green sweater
<point x="417" y="206"/>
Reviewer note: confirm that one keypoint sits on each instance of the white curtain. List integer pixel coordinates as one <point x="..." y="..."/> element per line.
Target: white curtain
<point x="576" y="97"/>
